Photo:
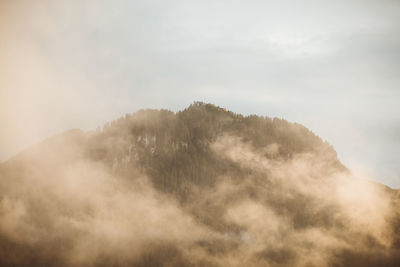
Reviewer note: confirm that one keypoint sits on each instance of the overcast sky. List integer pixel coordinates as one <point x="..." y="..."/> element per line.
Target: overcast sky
<point x="333" y="66"/>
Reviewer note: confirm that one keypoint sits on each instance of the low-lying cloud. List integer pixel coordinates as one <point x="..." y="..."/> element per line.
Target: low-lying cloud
<point x="65" y="209"/>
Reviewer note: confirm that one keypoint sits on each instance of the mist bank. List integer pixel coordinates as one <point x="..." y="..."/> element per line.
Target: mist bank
<point x="200" y="187"/>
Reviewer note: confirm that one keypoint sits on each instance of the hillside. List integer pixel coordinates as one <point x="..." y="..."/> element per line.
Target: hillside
<point x="200" y="187"/>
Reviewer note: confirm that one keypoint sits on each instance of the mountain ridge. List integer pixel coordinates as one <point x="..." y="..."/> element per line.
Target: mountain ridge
<point x="244" y="190"/>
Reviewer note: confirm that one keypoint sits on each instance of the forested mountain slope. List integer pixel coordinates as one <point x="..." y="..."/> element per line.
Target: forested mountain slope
<point x="200" y="187"/>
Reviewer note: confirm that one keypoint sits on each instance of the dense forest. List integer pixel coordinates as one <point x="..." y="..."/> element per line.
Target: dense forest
<point x="200" y="187"/>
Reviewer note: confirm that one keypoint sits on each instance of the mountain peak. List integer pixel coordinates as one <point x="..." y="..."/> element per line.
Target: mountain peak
<point x="202" y="186"/>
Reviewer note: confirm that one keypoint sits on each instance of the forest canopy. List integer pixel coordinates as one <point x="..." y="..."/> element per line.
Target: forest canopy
<point x="200" y="187"/>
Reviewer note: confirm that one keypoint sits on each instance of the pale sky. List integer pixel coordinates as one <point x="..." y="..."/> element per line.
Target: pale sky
<point x="333" y="66"/>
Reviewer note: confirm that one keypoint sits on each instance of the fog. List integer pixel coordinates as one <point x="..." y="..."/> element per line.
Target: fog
<point x="60" y="207"/>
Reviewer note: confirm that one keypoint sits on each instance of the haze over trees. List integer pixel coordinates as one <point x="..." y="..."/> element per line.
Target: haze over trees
<point x="200" y="187"/>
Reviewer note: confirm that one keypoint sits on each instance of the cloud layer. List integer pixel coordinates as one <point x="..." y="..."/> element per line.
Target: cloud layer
<point x="61" y="207"/>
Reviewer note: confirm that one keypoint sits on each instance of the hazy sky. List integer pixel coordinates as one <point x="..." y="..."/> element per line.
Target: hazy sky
<point x="333" y="66"/>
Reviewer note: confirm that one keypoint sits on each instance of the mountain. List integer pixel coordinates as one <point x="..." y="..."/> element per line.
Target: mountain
<point x="200" y="187"/>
